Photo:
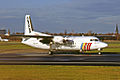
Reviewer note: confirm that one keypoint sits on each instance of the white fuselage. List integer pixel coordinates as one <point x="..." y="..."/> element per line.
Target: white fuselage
<point x="79" y="43"/>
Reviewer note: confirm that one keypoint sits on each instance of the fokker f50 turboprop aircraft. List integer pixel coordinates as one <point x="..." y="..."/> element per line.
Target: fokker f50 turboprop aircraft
<point x="53" y="43"/>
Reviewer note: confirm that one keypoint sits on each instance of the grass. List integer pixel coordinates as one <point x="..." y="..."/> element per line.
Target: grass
<point x="48" y="72"/>
<point x="55" y="72"/>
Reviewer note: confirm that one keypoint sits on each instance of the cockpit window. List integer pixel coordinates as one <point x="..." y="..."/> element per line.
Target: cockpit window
<point x="94" y="40"/>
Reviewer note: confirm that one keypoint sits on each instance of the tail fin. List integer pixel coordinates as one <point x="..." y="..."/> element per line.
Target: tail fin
<point x="28" y="25"/>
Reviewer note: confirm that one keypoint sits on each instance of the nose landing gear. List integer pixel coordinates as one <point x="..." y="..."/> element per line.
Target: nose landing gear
<point x="99" y="51"/>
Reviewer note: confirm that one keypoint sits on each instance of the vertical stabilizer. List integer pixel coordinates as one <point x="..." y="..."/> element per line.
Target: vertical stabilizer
<point x="28" y="25"/>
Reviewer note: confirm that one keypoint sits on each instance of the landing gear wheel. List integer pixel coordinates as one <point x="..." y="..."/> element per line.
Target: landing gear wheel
<point x="99" y="53"/>
<point x="50" y="52"/>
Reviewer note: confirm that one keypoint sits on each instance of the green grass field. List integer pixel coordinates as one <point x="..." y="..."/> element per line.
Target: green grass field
<point x="113" y="47"/>
<point x="51" y="72"/>
<point x="55" y="72"/>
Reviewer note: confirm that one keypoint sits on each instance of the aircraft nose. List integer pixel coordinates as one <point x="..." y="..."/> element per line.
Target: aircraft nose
<point x="103" y="45"/>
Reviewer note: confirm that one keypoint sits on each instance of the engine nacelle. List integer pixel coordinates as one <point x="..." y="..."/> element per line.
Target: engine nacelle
<point x="58" y="39"/>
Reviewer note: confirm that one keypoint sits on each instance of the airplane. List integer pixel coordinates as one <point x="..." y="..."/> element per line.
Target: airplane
<point x="54" y="43"/>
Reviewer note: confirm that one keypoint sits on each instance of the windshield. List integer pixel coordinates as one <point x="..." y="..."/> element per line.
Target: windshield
<point x="94" y="40"/>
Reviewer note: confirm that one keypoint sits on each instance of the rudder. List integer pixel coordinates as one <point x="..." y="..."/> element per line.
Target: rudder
<point x="28" y="25"/>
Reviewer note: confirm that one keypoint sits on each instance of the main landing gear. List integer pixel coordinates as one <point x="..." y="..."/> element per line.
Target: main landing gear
<point x="50" y="50"/>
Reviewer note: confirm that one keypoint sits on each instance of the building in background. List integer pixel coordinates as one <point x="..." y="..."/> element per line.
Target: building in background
<point x="2" y="32"/>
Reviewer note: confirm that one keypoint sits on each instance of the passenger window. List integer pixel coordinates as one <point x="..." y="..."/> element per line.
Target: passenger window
<point x="91" y="39"/>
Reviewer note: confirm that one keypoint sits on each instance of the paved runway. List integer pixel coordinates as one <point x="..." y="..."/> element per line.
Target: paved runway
<point x="111" y="59"/>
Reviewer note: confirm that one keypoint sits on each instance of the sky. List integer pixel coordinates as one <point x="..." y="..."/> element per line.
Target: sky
<point x="99" y="16"/>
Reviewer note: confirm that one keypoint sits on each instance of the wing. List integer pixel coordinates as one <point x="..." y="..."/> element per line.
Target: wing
<point x="31" y="36"/>
<point x="44" y="40"/>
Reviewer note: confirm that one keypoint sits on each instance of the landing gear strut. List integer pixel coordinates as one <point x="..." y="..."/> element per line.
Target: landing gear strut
<point x="50" y="51"/>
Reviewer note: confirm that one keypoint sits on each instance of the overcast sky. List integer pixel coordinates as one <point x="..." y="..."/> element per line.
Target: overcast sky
<point x="58" y="15"/>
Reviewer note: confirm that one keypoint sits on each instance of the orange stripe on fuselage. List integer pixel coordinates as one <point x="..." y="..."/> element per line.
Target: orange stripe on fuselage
<point x="84" y="46"/>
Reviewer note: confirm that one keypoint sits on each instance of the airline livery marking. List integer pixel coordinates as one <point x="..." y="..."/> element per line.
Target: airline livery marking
<point x="28" y="25"/>
<point x="85" y="46"/>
